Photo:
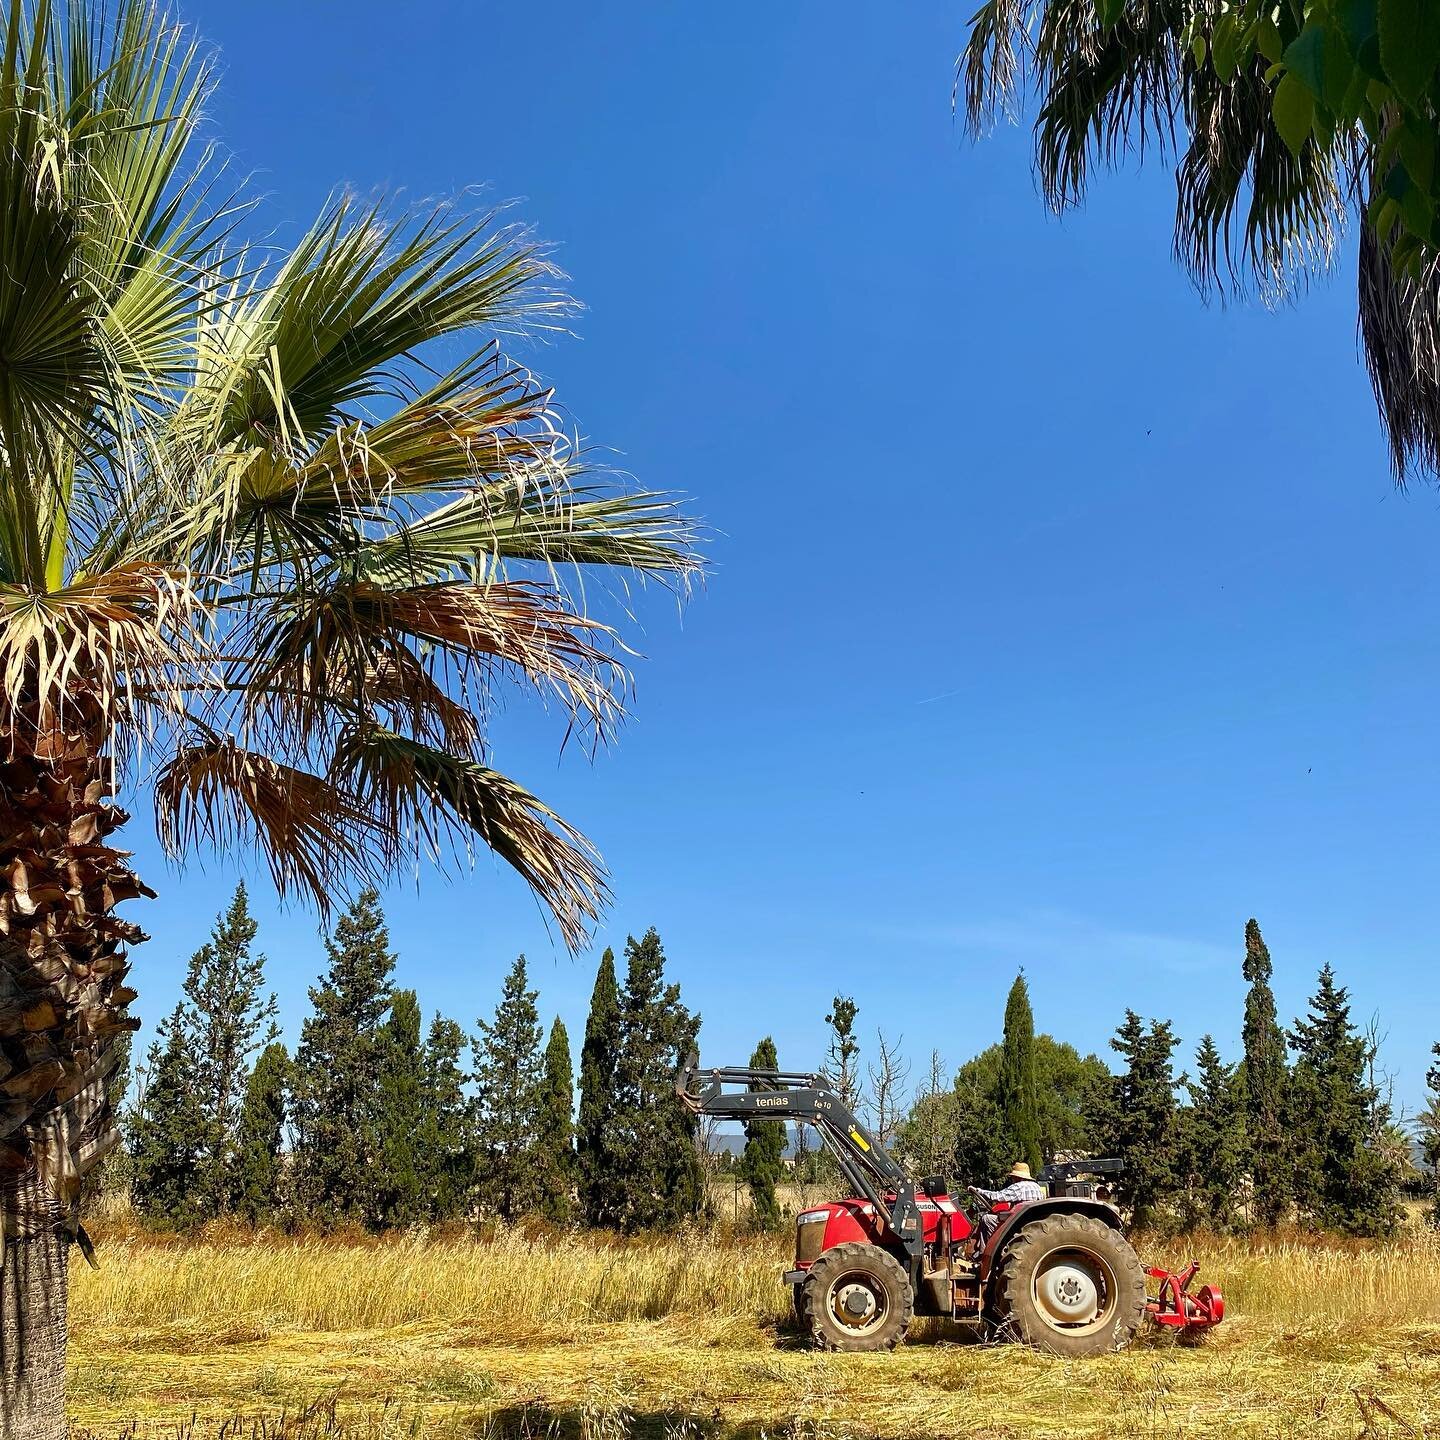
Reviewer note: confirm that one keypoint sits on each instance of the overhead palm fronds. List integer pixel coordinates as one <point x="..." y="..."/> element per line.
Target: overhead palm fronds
<point x="241" y="513"/>
<point x="1261" y="200"/>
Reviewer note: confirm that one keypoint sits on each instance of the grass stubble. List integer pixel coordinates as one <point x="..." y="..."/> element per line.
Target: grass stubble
<point x="267" y="1337"/>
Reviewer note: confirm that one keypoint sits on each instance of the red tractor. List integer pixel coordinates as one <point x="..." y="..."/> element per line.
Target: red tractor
<point x="1056" y="1273"/>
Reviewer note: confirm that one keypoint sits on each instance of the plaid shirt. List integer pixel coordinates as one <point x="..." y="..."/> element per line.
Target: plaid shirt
<point x="1016" y="1193"/>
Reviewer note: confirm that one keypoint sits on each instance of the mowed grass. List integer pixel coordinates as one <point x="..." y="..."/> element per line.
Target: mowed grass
<point x="536" y="1334"/>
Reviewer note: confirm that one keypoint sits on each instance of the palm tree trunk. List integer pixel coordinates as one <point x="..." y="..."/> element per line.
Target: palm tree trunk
<point x="63" y="999"/>
<point x="34" y="1293"/>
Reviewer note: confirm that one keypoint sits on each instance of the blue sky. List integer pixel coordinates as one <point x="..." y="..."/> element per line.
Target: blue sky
<point x="1056" y="619"/>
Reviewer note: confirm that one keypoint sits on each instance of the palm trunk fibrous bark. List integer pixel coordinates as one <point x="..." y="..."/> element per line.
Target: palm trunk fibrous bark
<point x="63" y="1004"/>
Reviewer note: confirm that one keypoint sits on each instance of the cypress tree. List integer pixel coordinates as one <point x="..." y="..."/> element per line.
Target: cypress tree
<point x="658" y="1171"/>
<point x="168" y="1130"/>
<point x="1213" y="1134"/>
<point x="261" y="1136"/>
<point x="555" y="1129"/>
<point x="1427" y="1133"/>
<point x="337" y="1069"/>
<point x="507" y="1079"/>
<point x="231" y="1018"/>
<point x="398" y="1193"/>
<point x="762" y="1161"/>
<point x="1145" y="1116"/>
<point x="1262" y="1080"/>
<point x="600" y="1186"/>
<point x="1017" y="1097"/>
<point x="1066" y="1085"/>
<point x="1341" y="1181"/>
<point x="446" y="1146"/>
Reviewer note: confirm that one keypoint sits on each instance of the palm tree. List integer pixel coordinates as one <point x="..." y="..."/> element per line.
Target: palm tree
<point x="274" y="531"/>
<point x="1251" y="211"/>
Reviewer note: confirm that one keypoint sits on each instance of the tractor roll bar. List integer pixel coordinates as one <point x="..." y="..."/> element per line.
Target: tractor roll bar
<point x="809" y="1100"/>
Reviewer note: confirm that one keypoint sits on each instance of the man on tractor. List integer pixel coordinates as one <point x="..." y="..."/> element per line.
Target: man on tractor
<point x="1019" y="1187"/>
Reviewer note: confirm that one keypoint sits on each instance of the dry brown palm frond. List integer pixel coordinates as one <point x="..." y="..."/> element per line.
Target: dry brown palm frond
<point x="1400" y="331"/>
<point x="399" y="683"/>
<point x="316" y="836"/>
<point x="97" y="639"/>
<point x="437" y="800"/>
<point x="320" y="651"/>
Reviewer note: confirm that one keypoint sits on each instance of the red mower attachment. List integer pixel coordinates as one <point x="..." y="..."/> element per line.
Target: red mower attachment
<point x="1174" y="1305"/>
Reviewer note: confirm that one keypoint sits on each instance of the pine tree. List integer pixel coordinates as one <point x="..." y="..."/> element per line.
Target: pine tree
<point x="842" y="1068"/>
<point x="1341" y="1181"/>
<point x="762" y="1162"/>
<point x="1145" y="1116"/>
<point x="231" y="1019"/>
<point x="446" y="1145"/>
<point x="1427" y="1127"/>
<point x="260" y="1139"/>
<point x="337" y="1070"/>
<point x="657" y="1166"/>
<point x="399" y="1198"/>
<point x="168" y="1128"/>
<point x="1262" y="1083"/>
<point x="1017" y="1094"/>
<point x="555" y="1129"/>
<point x="507" y="1078"/>
<point x="1212" y="1131"/>
<point x="600" y="1186"/>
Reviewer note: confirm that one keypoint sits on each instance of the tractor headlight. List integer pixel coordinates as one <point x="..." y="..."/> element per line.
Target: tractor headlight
<point x="809" y="1235"/>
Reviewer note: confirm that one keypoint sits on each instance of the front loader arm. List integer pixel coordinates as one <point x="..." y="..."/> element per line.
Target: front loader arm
<point x="808" y="1100"/>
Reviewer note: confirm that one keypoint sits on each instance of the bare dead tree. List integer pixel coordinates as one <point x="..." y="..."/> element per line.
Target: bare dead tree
<point x="888" y="1076"/>
<point x="932" y="1131"/>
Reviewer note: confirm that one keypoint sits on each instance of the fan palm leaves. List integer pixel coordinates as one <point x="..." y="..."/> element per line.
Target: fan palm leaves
<point x="1255" y="208"/>
<point x="244" y="514"/>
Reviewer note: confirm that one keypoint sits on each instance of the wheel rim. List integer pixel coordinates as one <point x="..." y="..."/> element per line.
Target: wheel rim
<point x="1074" y="1291"/>
<point x="857" y="1302"/>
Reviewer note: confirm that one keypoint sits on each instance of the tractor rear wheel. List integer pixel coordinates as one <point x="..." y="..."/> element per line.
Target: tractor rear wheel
<point x="1071" y="1286"/>
<point x="856" y="1297"/>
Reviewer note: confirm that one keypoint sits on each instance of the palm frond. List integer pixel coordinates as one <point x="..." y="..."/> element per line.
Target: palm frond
<point x="90" y="643"/>
<point x="361" y="293"/>
<point x="1400" y="334"/>
<point x="322" y="653"/>
<point x="434" y="798"/>
<point x="316" y="837"/>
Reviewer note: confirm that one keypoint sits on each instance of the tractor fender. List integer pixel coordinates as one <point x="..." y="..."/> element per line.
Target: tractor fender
<point x="1038" y="1210"/>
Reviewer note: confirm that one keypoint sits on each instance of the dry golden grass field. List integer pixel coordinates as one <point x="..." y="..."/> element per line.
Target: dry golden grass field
<point x="235" y="1335"/>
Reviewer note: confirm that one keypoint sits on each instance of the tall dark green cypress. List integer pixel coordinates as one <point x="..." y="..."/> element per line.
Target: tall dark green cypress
<point x="398" y="1193"/>
<point x="259" y="1167"/>
<point x="762" y="1163"/>
<point x="1263" y="1076"/>
<point x="555" y="1129"/>
<point x="446" y="1143"/>
<point x="658" y="1167"/>
<point x="337" y="1070"/>
<point x="168" y="1130"/>
<point x="600" y="1186"/>
<point x="1212" y="1136"/>
<point x="507" y="1080"/>
<point x="1145" y="1116"/>
<point x="231" y="1019"/>
<point x="1341" y="1180"/>
<point x="1019" y="1104"/>
<point x="1427" y="1126"/>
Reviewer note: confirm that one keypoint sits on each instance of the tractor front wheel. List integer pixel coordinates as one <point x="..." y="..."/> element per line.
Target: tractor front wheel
<point x="856" y="1297"/>
<point x="1071" y="1286"/>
